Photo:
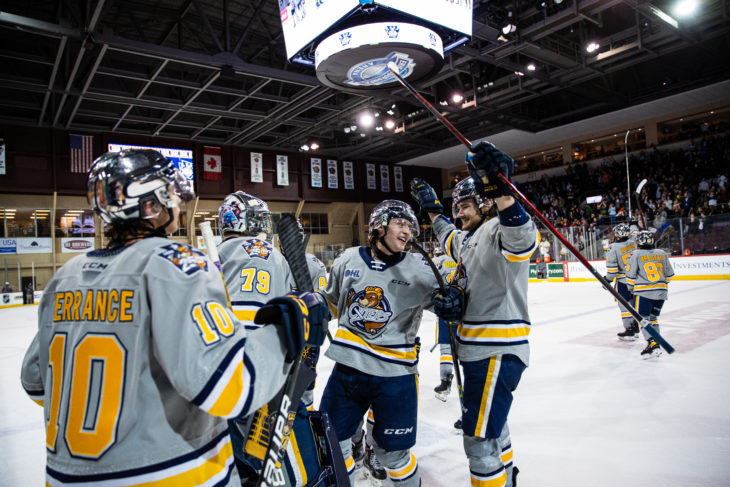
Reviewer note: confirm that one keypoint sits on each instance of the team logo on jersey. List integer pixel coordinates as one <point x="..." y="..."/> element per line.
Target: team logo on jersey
<point x="459" y="276"/>
<point x="369" y="310"/>
<point x="186" y="258"/>
<point x="257" y="248"/>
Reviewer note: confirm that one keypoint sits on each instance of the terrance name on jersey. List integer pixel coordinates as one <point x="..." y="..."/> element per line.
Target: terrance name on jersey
<point x="108" y="305"/>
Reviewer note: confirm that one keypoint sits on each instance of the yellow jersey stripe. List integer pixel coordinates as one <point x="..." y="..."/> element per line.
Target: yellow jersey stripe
<point x="404" y="472"/>
<point x="487" y="396"/>
<point x="645" y="287"/>
<point x="497" y="480"/>
<point x="294" y="449"/>
<point x="229" y="394"/>
<point x="409" y="356"/>
<point x="507" y="332"/>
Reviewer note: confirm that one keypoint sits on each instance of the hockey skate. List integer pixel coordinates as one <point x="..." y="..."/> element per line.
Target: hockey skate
<point x="358" y="453"/>
<point x="629" y="334"/>
<point x="373" y="470"/>
<point x="457" y="424"/>
<point x="442" y="391"/>
<point x="652" y="350"/>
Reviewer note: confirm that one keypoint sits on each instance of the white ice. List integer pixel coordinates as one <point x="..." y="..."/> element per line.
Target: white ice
<point x="588" y="411"/>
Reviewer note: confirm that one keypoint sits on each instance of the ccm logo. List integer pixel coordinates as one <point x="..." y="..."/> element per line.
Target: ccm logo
<point x="77" y="244"/>
<point x="398" y="431"/>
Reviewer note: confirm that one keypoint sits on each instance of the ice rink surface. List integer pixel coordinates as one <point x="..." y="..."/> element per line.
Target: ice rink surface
<point x="589" y="410"/>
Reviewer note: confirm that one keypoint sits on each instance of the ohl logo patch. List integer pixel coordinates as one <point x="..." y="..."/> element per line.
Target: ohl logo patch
<point x="257" y="248"/>
<point x="369" y="310"/>
<point x="186" y="258"/>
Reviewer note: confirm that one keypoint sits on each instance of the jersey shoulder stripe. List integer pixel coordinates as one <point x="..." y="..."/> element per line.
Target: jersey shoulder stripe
<point x="520" y="255"/>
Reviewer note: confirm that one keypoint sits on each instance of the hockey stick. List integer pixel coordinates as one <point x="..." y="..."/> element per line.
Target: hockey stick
<point x="638" y="202"/>
<point x="209" y="240"/>
<point x="522" y="199"/>
<point x="272" y="472"/>
<point x="452" y="340"/>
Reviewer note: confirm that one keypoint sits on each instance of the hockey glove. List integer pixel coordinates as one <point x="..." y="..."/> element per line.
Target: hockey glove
<point x="449" y="306"/>
<point x="301" y="318"/>
<point x="425" y="196"/>
<point x="484" y="162"/>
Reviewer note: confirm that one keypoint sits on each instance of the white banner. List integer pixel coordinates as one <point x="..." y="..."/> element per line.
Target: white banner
<point x="282" y="170"/>
<point x="2" y="156"/>
<point x="41" y="245"/>
<point x="349" y="175"/>
<point x="257" y="172"/>
<point x="398" y="178"/>
<point x="384" y="178"/>
<point x="11" y="299"/>
<point x="370" y="170"/>
<point x="316" y="178"/>
<point x="331" y="173"/>
<point x="77" y="244"/>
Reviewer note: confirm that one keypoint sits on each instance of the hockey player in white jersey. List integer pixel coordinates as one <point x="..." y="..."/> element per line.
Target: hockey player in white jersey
<point x="492" y="340"/>
<point x="647" y="275"/>
<point x="138" y="361"/>
<point x="617" y="256"/>
<point x="379" y="293"/>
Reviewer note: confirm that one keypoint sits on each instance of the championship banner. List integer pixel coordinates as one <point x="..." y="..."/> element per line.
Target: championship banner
<point x="2" y="156"/>
<point x="76" y="244"/>
<point x="398" y="177"/>
<point x="349" y="175"/>
<point x="370" y="170"/>
<point x="316" y="173"/>
<point x="257" y="172"/>
<point x="212" y="167"/>
<point x="384" y="178"/>
<point x="331" y="173"/>
<point x="282" y="170"/>
<point x="41" y="245"/>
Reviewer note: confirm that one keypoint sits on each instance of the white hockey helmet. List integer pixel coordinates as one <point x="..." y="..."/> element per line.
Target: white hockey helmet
<point x="645" y="239"/>
<point x="247" y="215"/>
<point x="387" y="209"/>
<point x="134" y="184"/>
<point x="464" y="190"/>
<point x="621" y="232"/>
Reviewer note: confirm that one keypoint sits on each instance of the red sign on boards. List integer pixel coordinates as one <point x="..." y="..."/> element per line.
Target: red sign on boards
<point x="77" y="244"/>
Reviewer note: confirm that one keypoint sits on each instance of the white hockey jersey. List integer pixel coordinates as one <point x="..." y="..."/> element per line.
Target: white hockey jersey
<point x="648" y="273"/>
<point x="616" y="259"/>
<point x="494" y="262"/>
<point x="379" y="308"/>
<point x="318" y="272"/>
<point x="138" y="363"/>
<point x="255" y="272"/>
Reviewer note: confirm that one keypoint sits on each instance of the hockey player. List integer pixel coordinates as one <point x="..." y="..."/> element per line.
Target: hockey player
<point x="647" y="275"/>
<point x="138" y="361"/>
<point x="447" y="268"/>
<point x="253" y="271"/>
<point x="379" y="293"/>
<point x="617" y="257"/>
<point x="492" y="342"/>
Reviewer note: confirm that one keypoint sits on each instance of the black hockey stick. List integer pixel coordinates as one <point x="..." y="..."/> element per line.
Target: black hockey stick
<point x="522" y="199"/>
<point x="272" y="472"/>
<point x="452" y="340"/>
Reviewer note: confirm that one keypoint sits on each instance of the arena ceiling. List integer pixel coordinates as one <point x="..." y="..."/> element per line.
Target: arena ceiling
<point x="216" y="72"/>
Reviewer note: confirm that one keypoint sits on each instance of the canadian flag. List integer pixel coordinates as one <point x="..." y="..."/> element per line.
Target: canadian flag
<point x="211" y="162"/>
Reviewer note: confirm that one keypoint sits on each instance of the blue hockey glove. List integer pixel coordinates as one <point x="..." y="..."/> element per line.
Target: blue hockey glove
<point x="484" y="162"/>
<point x="425" y="196"/>
<point x="301" y="318"/>
<point x="451" y="305"/>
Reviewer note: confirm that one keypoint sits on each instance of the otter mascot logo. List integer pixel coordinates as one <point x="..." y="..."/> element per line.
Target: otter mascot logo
<point x="369" y="310"/>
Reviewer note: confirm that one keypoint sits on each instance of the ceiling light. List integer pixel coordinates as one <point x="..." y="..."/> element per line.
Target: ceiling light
<point x="390" y="112"/>
<point x="531" y="67"/>
<point x="443" y="103"/>
<point x="314" y="146"/>
<point x="367" y="119"/>
<point x="557" y="2"/>
<point x="363" y="135"/>
<point x="685" y="8"/>
<point x="502" y="38"/>
<point x="379" y="128"/>
<point x="347" y="130"/>
<point x="457" y="97"/>
<point x="353" y="127"/>
<point x="592" y="46"/>
<point x="304" y="147"/>
<point x="389" y="124"/>
<point x="519" y="73"/>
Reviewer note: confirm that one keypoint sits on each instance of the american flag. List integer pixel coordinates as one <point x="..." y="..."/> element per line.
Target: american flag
<point x="82" y="152"/>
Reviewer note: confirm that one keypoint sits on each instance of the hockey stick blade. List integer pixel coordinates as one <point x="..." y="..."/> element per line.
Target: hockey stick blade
<point x="272" y="471"/>
<point x="640" y="186"/>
